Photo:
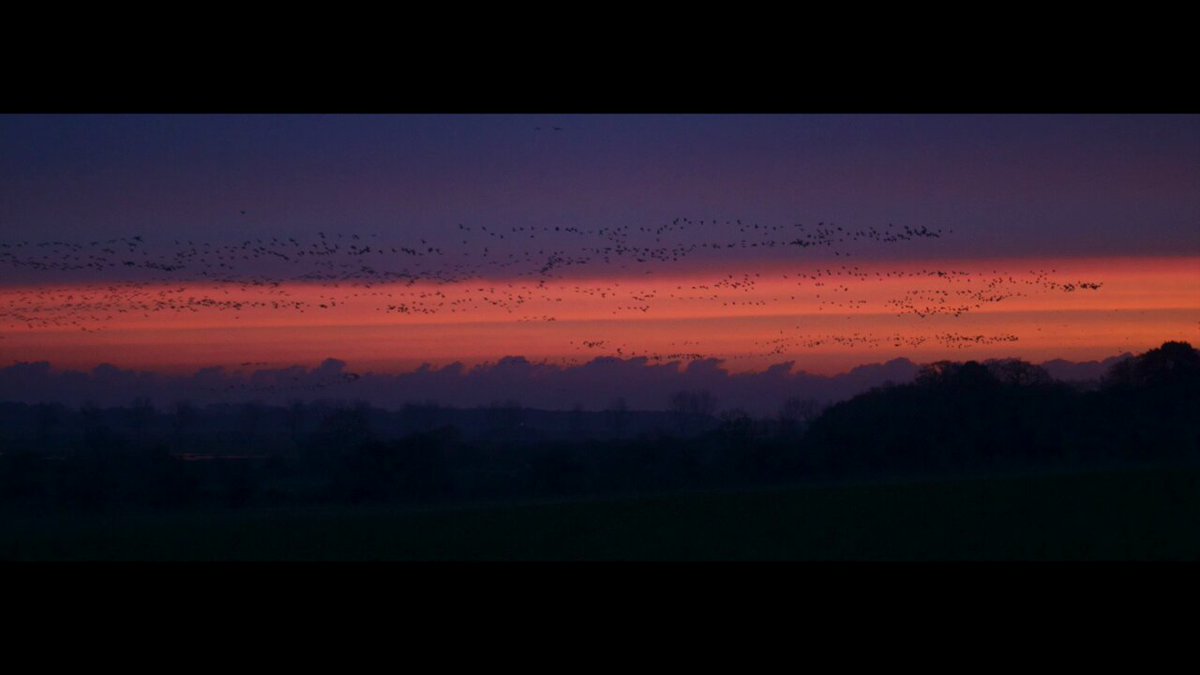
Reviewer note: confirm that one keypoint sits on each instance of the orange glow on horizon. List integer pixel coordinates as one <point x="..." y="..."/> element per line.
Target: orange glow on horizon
<point x="825" y="317"/>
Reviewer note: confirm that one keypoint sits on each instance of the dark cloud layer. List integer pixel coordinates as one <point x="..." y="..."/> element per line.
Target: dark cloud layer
<point x="596" y="385"/>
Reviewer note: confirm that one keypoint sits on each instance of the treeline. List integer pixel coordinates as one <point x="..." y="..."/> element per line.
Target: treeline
<point x="955" y="417"/>
<point x="959" y="416"/>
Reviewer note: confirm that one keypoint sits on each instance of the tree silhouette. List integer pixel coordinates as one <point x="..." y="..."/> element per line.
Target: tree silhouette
<point x="414" y="468"/>
<point x="249" y="419"/>
<point x="47" y="417"/>
<point x="1174" y="364"/>
<point x="421" y="417"/>
<point x="692" y="408"/>
<point x="1019" y="373"/>
<point x="796" y="413"/>
<point x="141" y="414"/>
<point x="618" y="416"/>
<point x="295" y="418"/>
<point x="184" y="417"/>
<point x="505" y="420"/>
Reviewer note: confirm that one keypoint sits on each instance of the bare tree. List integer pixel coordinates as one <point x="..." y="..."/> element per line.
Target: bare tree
<point x="184" y="417"/>
<point x="796" y="414"/>
<point x="141" y="414"/>
<point x="692" y="407"/>
<point x="618" y="416"/>
<point x="1019" y="373"/>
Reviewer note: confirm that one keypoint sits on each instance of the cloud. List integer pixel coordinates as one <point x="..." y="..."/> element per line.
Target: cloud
<point x="595" y="385"/>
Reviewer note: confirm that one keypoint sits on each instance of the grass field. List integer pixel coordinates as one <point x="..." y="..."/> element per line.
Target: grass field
<point x="1149" y="514"/>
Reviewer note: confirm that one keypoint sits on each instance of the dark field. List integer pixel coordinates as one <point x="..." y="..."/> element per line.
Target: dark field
<point x="1142" y="514"/>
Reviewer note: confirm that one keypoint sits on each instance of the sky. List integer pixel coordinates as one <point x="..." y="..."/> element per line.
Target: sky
<point x="174" y="243"/>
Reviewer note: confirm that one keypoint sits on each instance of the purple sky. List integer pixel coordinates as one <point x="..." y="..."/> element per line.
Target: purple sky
<point x="1028" y="208"/>
<point x="1058" y="185"/>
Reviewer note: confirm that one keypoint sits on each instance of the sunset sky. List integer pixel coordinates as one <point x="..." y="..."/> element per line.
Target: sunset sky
<point x="174" y="243"/>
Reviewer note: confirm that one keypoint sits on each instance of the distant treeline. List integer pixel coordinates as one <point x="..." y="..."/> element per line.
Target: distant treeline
<point x="955" y="417"/>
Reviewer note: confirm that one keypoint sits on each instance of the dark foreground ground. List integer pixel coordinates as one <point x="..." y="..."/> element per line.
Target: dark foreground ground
<point x="1146" y="514"/>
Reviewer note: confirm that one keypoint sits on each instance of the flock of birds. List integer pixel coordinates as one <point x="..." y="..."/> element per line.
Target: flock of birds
<point x="787" y="345"/>
<point x="528" y="273"/>
<point x="476" y="251"/>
